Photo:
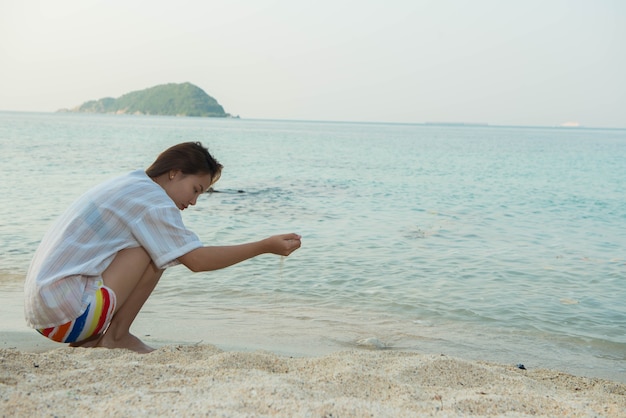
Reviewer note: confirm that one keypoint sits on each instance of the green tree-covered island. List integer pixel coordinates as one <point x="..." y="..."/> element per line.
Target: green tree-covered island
<point x="171" y="99"/>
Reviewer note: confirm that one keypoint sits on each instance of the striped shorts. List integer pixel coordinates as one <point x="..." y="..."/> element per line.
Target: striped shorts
<point x="95" y="320"/>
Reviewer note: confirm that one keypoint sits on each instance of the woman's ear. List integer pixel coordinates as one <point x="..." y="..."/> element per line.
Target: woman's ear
<point x="173" y="173"/>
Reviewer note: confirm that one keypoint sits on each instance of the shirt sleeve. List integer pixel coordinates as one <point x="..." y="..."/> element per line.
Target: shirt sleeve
<point x="164" y="236"/>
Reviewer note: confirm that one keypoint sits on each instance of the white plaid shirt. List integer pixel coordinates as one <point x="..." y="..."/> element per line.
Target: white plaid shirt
<point x="125" y="212"/>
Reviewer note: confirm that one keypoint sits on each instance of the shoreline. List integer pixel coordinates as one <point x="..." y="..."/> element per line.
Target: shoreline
<point x="253" y="329"/>
<point x="179" y="379"/>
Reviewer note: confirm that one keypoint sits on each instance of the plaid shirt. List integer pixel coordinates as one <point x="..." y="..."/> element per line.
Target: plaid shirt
<point x="125" y="212"/>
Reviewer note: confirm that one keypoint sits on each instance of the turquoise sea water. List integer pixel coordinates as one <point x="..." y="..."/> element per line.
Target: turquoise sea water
<point x="503" y="244"/>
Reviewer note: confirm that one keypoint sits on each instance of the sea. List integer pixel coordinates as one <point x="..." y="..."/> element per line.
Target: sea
<point x="490" y="243"/>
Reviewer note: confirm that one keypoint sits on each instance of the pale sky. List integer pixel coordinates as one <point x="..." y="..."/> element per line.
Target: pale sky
<point x="525" y="62"/>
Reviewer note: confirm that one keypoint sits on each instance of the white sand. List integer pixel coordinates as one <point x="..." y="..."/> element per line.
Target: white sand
<point x="205" y="381"/>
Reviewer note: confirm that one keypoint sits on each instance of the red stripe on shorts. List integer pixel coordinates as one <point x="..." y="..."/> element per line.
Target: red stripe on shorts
<point x="106" y="302"/>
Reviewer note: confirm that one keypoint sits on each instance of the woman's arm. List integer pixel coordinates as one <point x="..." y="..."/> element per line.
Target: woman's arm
<point x="215" y="258"/>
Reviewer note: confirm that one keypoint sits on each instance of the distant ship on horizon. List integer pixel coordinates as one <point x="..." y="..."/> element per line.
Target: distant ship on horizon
<point x="570" y="125"/>
<point x="456" y="124"/>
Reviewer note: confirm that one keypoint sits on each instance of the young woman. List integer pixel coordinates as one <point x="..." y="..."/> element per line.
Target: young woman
<point x="101" y="260"/>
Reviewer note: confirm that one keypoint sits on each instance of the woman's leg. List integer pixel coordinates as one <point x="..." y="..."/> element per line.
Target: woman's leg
<point x="132" y="276"/>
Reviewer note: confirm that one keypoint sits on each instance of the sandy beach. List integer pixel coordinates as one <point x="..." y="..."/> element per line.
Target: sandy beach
<point x="45" y="379"/>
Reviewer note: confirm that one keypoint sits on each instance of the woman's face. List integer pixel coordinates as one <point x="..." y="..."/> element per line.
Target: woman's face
<point x="184" y="189"/>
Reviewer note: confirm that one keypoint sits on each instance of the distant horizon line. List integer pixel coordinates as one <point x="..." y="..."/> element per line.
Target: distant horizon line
<point x="426" y="123"/>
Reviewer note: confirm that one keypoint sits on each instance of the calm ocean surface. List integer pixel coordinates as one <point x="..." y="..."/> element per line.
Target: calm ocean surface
<point x="502" y="244"/>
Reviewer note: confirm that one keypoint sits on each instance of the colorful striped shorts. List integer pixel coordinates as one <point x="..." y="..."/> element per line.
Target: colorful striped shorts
<point x="93" y="321"/>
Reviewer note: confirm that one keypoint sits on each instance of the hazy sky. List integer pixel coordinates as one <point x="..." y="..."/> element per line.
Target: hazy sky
<point x="525" y="62"/>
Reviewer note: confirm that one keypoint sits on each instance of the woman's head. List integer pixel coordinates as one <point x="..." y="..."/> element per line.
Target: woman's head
<point x="188" y="158"/>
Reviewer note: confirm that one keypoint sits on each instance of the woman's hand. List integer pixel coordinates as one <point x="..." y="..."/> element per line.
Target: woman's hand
<point x="283" y="244"/>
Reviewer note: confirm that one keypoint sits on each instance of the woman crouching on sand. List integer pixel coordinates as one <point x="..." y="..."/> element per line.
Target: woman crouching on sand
<point x="101" y="260"/>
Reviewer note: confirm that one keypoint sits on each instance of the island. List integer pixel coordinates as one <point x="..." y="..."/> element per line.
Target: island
<point x="184" y="99"/>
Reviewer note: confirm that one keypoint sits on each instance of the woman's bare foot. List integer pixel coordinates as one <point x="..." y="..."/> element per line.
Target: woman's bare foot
<point x="128" y="341"/>
<point x="89" y="342"/>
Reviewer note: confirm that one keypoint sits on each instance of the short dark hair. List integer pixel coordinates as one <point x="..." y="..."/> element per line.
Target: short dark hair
<point x="189" y="158"/>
